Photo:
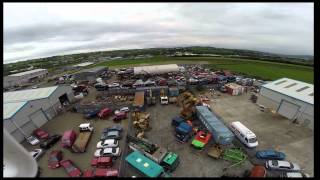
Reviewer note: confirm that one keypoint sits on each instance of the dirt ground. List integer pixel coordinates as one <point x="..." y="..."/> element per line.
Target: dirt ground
<point x="273" y="131"/>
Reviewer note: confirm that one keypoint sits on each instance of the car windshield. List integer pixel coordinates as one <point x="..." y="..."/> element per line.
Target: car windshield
<point x="113" y="133"/>
<point x="252" y="140"/>
<point x="275" y="163"/>
<point x="70" y="168"/>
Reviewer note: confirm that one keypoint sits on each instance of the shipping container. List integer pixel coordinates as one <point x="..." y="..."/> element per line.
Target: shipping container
<point x="234" y="89"/>
<point x="221" y="134"/>
<point x="173" y="92"/>
<point x="138" y="102"/>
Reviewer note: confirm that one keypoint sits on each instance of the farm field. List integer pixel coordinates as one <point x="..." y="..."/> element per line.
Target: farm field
<point x="262" y="69"/>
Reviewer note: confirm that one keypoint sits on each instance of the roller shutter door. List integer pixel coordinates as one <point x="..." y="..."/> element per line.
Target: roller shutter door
<point x="28" y="128"/>
<point x="288" y="109"/>
<point x="39" y="118"/>
<point x="18" y="135"/>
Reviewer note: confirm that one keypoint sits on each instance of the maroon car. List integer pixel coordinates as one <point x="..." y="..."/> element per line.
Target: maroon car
<point x="54" y="159"/>
<point x="120" y="116"/>
<point x="40" y="133"/>
<point x="104" y="113"/>
<point x="101" y="172"/>
<point x="71" y="169"/>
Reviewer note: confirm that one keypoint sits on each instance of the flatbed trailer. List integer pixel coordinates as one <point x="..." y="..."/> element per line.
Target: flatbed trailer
<point x="81" y="142"/>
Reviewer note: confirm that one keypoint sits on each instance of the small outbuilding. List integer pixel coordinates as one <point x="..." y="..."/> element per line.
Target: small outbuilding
<point x="26" y="110"/>
<point x="290" y="98"/>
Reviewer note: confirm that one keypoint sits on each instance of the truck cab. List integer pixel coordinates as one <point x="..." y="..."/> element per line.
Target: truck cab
<point x="164" y="100"/>
<point x="85" y="127"/>
<point x="183" y="132"/>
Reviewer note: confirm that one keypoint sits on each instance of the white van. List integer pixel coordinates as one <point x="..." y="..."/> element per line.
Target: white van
<point x="244" y="134"/>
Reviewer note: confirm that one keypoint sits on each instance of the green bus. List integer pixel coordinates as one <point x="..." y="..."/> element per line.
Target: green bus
<point x="144" y="164"/>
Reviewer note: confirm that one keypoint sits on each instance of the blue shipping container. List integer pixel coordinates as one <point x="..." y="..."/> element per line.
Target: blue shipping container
<point x="221" y="134"/>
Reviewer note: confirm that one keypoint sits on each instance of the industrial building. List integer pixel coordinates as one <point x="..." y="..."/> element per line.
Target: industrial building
<point x="90" y="74"/>
<point x="83" y="64"/>
<point x="156" y="69"/>
<point x="290" y="98"/>
<point x="24" y="77"/>
<point x="26" y="110"/>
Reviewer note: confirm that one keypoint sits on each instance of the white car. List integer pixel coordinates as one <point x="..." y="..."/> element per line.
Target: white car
<point x="108" y="152"/>
<point x="33" y="140"/>
<point x="112" y="85"/>
<point x="125" y="109"/>
<point x="108" y="143"/>
<point x="282" y="165"/>
<point x="36" y="153"/>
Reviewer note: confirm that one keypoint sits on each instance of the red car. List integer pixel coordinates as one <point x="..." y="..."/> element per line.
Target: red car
<point x="203" y="137"/>
<point x="54" y="159"/>
<point x="101" y="162"/>
<point x="101" y="172"/>
<point x="258" y="172"/>
<point x="71" y="169"/>
<point x="104" y="113"/>
<point x="68" y="138"/>
<point x="40" y="133"/>
<point x="120" y="116"/>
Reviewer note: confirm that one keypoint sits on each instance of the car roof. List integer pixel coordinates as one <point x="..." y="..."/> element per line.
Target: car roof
<point x="284" y="163"/>
<point x="107" y="150"/>
<point x="109" y="141"/>
<point x="294" y="174"/>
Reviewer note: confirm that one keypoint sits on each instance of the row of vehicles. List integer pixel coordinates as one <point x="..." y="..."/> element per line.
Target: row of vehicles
<point x="106" y="112"/>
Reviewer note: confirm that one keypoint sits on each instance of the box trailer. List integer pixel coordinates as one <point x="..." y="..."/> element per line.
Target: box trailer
<point x="221" y="133"/>
<point x="138" y="103"/>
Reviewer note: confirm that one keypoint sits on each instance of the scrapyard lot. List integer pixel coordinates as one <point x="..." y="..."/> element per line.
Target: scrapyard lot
<point x="273" y="132"/>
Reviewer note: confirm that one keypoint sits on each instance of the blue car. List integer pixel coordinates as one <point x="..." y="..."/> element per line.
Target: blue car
<point x="270" y="154"/>
<point x="91" y="114"/>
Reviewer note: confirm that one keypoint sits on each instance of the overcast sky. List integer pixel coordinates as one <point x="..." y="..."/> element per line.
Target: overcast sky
<point x="33" y="30"/>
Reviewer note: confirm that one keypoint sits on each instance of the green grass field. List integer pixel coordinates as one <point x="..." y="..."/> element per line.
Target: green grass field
<point x="261" y="69"/>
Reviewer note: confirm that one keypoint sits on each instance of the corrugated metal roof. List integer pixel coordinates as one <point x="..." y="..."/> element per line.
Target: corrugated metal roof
<point x="156" y="69"/>
<point x="293" y="88"/>
<point x="9" y="109"/>
<point x="28" y="95"/>
<point x="27" y="72"/>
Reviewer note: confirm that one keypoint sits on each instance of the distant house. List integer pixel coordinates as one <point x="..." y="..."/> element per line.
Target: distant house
<point x="24" y="77"/>
<point x="90" y="74"/>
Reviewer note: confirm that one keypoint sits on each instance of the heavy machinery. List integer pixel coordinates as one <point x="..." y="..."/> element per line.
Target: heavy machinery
<point x="141" y="122"/>
<point x="151" y="100"/>
<point x="187" y="101"/>
<point x="168" y="160"/>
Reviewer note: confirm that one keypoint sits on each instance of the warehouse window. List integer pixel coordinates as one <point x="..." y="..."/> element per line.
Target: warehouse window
<point x="280" y="82"/>
<point x="301" y="89"/>
<point x="291" y="85"/>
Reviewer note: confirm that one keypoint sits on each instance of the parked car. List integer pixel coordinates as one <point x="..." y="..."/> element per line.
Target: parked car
<point x="111" y="134"/>
<point x="258" y="172"/>
<point x="71" y="169"/>
<point x="40" y="133"/>
<point x="282" y="165"/>
<point x="101" y="172"/>
<point x="120" y="116"/>
<point x="113" y="85"/>
<point x="33" y="140"/>
<point x="115" y="127"/>
<point x="101" y="86"/>
<point x="108" y="152"/>
<point x="54" y="159"/>
<point x="68" y="138"/>
<point x="223" y="89"/>
<point x="101" y="162"/>
<point x="270" y="154"/>
<point x="91" y="114"/>
<point x="108" y="143"/>
<point x="294" y="175"/>
<point x="125" y="109"/>
<point x="105" y="113"/>
<point x="50" y="141"/>
<point x="36" y="153"/>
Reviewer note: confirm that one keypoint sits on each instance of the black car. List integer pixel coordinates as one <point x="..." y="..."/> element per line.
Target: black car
<point x="111" y="134"/>
<point x="50" y="141"/>
<point x="115" y="127"/>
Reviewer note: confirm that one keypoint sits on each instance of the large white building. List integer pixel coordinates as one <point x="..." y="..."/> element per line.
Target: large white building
<point x="26" y="110"/>
<point x="156" y="69"/>
<point x="290" y="98"/>
<point x="24" y="77"/>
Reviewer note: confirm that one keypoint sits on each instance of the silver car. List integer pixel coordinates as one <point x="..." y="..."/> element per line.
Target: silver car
<point x="282" y="165"/>
<point x="108" y="152"/>
<point x="108" y="143"/>
<point x="36" y="153"/>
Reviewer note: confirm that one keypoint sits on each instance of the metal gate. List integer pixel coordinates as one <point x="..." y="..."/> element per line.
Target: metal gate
<point x="39" y="118"/>
<point x="288" y="109"/>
